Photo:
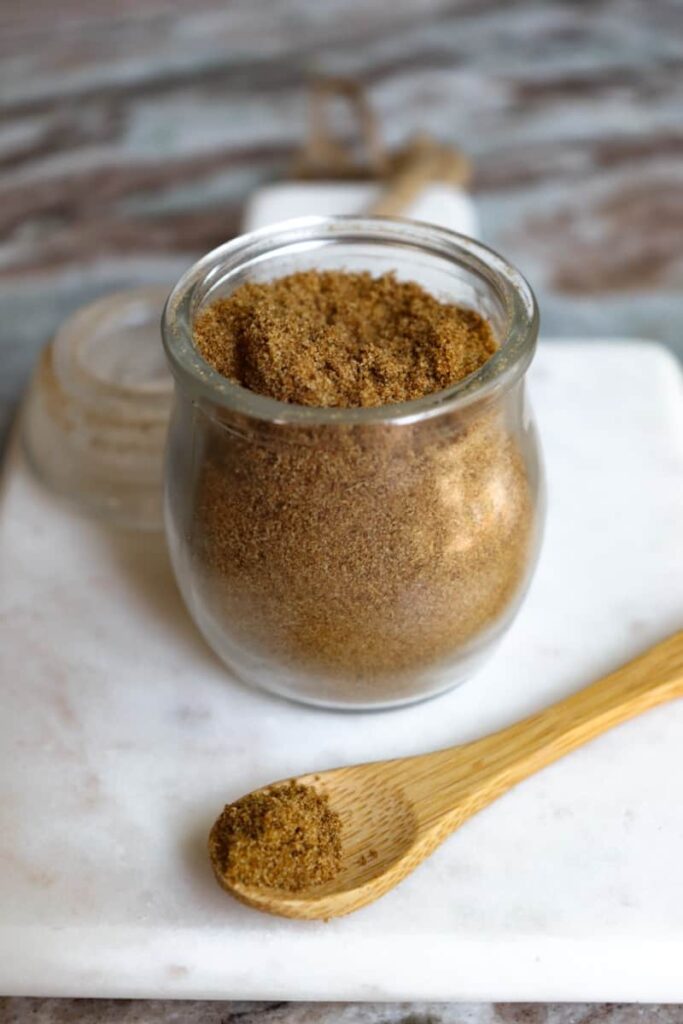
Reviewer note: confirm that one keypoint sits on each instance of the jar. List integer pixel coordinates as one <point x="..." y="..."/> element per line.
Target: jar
<point x="364" y="557"/>
<point x="95" y="418"/>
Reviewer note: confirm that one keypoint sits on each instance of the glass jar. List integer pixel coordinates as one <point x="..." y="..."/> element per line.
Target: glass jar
<point x="366" y="557"/>
<point x="96" y="414"/>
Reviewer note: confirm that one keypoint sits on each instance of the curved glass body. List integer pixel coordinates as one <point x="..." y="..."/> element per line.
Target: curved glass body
<point x="355" y="558"/>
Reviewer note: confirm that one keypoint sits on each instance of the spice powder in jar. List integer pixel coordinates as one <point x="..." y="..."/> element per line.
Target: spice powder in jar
<point x="366" y="556"/>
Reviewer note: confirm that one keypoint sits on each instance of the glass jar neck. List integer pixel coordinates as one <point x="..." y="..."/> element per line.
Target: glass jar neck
<point x="452" y="266"/>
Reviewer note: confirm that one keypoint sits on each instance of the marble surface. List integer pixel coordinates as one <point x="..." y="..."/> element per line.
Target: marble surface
<point x="155" y="1011"/>
<point x="114" y="764"/>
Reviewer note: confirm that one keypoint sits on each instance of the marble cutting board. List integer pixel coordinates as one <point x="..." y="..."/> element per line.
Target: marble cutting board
<point x="121" y="737"/>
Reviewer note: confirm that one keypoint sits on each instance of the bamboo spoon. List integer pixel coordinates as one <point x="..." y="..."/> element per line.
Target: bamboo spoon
<point x="395" y="813"/>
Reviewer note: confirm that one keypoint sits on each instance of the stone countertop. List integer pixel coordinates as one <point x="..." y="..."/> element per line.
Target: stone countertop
<point x="131" y="133"/>
<point x="130" y="1011"/>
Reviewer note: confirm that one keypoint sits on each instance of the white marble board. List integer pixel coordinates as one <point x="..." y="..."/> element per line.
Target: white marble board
<point x="121" y="737"/>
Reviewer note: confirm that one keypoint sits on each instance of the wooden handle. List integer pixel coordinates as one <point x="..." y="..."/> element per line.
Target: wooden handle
<point x="325" y="155"/>
<point x="489" y="767"/>
<point x="423" y="160"/>
<point x="406" y="184"/>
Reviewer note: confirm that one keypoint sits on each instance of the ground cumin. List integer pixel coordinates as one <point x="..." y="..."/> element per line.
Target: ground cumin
<point x="353" y="562"/>
<point x="285" y="837"/>
<point x="342" y="339"/>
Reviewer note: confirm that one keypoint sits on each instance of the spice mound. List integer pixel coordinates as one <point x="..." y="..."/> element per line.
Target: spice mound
<point x="284" y="837"/>
<point x="335" y="338"/>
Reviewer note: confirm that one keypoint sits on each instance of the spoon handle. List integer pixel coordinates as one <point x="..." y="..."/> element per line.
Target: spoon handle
<point x="474" y="775"/>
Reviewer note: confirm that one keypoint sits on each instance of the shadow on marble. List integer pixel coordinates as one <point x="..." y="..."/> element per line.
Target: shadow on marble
<point x="142" y="558"/>
<point x="195" y="859"/>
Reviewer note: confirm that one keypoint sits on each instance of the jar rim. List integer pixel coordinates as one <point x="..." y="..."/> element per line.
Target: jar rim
<point x="509" y="362"/>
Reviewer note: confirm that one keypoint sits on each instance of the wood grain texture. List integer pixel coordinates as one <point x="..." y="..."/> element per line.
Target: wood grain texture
<point x="131" y="132"/>
<point x="395" y="813"/>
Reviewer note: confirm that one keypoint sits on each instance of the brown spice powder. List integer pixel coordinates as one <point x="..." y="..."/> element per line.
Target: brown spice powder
<point x="354" y="563"/>
<point x="341" y="339"/>
<point x="285" y="837"/>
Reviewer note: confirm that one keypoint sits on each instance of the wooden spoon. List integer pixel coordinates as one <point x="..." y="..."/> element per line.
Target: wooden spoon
<point x="395" y="813"/>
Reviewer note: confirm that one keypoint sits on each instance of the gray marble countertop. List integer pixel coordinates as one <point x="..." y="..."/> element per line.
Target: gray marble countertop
<point x="131" y="133"/>
<point x="107" y="1011"/>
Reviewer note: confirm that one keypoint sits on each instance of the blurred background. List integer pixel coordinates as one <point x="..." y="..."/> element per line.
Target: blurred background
<point x="132" y="132"/>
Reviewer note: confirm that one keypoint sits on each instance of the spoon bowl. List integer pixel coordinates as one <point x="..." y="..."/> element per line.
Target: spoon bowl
<point x="379" y="830"/>
<point x="395" y="813"/>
